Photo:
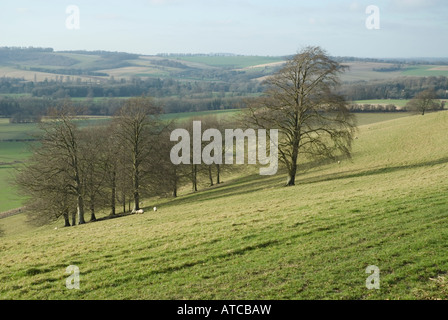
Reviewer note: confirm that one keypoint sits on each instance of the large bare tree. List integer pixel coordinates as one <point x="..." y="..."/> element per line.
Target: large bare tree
<point x="300" y="102"/>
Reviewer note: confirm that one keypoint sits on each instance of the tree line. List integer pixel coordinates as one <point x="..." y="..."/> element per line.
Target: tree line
<point x="78" y="171"/>
<point x="28" y="109"/>
<point x="400" y="88"/>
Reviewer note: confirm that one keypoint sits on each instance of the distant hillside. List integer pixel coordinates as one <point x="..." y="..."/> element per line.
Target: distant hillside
<point x="32" y="79"/>
<point x="38" y="64"/>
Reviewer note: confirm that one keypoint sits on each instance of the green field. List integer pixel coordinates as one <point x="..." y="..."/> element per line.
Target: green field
<point x="426" y="71"/>
<point x="252" y="238"/>
<point x="9" y="199"/>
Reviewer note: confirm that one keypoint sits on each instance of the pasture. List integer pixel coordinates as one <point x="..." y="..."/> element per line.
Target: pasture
<point x="252" y="238"/>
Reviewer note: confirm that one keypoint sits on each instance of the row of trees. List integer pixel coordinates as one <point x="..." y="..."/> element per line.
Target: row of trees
<point x="28" y="109"/>
<point x="228" y="83"/>
<point x="399" y="88"/>
<point x="76" y="170"/>
<point x="367" y="107"/>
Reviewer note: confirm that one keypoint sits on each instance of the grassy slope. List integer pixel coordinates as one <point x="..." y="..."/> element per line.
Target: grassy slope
<point x="254" y="239"/>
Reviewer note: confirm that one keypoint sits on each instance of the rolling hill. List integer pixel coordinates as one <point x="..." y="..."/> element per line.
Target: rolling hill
<point x="35" y="64"/>
<point x="252" y="238"/>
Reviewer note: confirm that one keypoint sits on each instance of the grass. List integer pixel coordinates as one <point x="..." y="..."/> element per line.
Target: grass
<point x="16" y="131"/>
<point x="9" y="199"/>
<point x="364" y="118"/>
<point x="251" y="238"/>
<point x="11" y="153"/>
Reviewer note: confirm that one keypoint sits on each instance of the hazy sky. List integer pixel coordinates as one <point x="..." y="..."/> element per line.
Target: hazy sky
<point x="408" y="28"/>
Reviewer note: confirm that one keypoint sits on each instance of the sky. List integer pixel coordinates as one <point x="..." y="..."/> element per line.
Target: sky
<point x="397" y="28"/>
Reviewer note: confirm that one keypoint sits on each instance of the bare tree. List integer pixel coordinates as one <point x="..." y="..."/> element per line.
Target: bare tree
<point x="424" y="101"/>
<point x="312" y="120"/>
<point x="60" y="147"/>
<point x="110" y="164"/>
<point x="42" y="180"/>
<point x="137" y="129"/>
<point x="169" y="177"/>
<point x="93" y="150"/>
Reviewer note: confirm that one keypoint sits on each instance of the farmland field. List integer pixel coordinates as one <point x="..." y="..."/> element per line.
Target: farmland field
<point x="233" y="62"/>
<point x="252" y="238"/>
<point x="426" y="71"/>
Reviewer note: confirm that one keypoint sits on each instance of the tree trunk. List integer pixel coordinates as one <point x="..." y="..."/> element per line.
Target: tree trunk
<point x="194" y="172"/>
<point x="210" y="175"/>
<point x="218" y="171"/>
<point x="291" y="180"/>
<point x="66" y="219"/>
<point x="74" y="218"/>
<point x="92" y="211"/>
<point x="136" y="190"/>
<point x="175" y="183"/>
<point x="113" y="194"/>
<point x="80" y="210"/>
<point x="292" y="170"/>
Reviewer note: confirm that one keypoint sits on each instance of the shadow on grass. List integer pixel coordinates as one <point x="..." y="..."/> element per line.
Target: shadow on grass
<point x="254" y="183"/>
<point x="244" y="185"/>
<point x="115" y="216"/>
<point x="370" y="172"/>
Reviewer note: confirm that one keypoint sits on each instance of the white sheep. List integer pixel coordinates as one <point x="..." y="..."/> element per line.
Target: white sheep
<point x="140" y="211"/>
<point x="155" y="209"/>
